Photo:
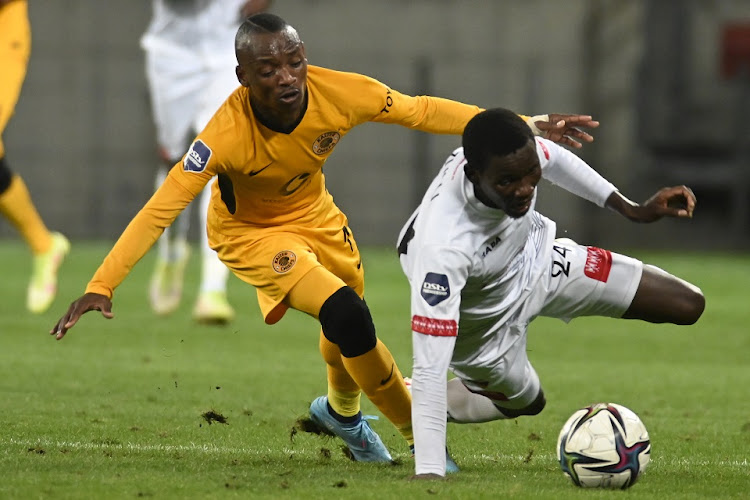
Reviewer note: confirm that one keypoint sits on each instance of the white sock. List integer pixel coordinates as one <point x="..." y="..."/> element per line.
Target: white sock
<point x="466" y="407"/>
<point x="163" y="244"/>
<point x="214" y="273"/>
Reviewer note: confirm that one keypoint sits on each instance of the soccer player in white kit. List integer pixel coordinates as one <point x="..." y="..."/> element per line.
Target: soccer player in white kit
<point x="482" y="264"/>
<point x="190" y="64"/>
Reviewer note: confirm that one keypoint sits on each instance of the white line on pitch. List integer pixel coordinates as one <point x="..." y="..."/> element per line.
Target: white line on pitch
<point x="228" y="450"/>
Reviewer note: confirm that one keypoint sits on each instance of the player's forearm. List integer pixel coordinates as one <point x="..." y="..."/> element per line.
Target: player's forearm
<point x="574" y="175"/>
<point x="617" y="202"/>
<point x="429" y="410"/>
<point x="432" y="355"/>
<point x="139" y="236"/>
<point x="132" y="245"/>
<point x="435" y="115"/>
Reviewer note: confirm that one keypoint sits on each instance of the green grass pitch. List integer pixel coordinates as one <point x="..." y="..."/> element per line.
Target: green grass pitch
<point x="115" y="409"/>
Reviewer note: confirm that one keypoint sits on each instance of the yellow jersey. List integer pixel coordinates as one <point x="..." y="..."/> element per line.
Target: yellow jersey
<point x="270" y="178"/>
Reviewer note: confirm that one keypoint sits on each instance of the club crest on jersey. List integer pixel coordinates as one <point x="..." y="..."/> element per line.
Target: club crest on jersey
<point x="325" y="142"/>
<point x="435" y="288"/>
<point x="284" y="261"/>
<point x="197" y="157"/>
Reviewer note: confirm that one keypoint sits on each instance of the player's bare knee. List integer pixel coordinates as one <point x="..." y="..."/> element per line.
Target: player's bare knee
<point x="347" y="322"/>
<point x="693" y="303"/>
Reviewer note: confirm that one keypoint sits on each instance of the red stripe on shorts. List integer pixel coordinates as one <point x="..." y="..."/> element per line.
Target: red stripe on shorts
<point x="435" y="327"/>
<point x="598" y="264"/>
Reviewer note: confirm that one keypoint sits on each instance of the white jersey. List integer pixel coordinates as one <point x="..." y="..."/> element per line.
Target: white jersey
<point x="470" y="266"/>
<point x="208" y="26"/>
<point x="190" y="65"/>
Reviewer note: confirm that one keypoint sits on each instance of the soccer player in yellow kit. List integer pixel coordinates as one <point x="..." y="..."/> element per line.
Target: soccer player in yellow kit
<point x="274" y="224"/>
<point x="48" y="248"/>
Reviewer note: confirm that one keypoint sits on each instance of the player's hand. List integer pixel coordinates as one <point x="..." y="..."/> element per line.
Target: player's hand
<point x="676" y="201"/>
<point x="88" y="302"/>
<point x="564" y="129"/>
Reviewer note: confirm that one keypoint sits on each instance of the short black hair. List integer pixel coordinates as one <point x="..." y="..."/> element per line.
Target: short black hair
<point x="258" y="24"/>
<point x="494" y="132"/>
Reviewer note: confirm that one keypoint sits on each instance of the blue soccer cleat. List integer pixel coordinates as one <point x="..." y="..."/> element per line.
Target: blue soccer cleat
<point x="450" y="466"/>
<point x="363" y="442"/>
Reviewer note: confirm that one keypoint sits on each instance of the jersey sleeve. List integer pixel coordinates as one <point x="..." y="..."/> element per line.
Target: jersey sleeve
<point x="437" y="279"/>
<point x="184" y="182"/>
<point x="571" y="173"/>
<point x="375" y="101"/>
<point x="426" y="113"/>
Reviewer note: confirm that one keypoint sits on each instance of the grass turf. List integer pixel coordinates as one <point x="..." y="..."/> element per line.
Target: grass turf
<point x="117" y="408"/>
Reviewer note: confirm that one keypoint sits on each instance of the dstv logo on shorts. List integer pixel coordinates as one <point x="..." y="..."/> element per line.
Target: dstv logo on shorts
<point x="435" y="288"/>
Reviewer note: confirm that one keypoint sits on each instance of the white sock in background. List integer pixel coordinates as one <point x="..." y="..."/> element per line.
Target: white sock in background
<point x="214" y="273"/>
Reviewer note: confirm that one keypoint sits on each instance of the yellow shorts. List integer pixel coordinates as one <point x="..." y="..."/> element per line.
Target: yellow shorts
<point x="274" y="259"/>
<point x="15" y="47"/>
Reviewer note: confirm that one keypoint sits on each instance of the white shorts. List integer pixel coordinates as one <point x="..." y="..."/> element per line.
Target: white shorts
<point x="186" y="89"/>
<point x="580" y="281"/>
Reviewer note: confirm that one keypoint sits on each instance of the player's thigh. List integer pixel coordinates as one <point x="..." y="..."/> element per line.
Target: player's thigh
<point x="662" y="297"/>
<point x="313" y="290"/>
<point x="587" y="281"/>
<point x="337" y="251"/>
<point x="15" y="47"/>
<point x="273" y="262"/>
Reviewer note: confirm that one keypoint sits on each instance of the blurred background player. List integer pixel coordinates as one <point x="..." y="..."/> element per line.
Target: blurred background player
<point x="190" y="70"/>
<point x="48" y="248"/>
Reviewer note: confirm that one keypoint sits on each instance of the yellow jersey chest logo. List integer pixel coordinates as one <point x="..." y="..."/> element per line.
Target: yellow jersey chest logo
<point x="325" y="142"/>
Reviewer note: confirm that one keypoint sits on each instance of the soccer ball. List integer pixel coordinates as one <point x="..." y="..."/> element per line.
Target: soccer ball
<point x="603" y="446"/>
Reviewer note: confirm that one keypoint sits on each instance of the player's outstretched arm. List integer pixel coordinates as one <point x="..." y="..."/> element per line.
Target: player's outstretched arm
<point x="87" y="302"/>
<point x="564" y="129"/>
<point x="676" y="201"/>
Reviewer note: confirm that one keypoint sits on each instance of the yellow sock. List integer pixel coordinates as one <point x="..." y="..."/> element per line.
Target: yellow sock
<point x="343" y="392"/>
<point x="344" y="403"/>
<point x="381" y="380"/>
<point x="16" y="206"/>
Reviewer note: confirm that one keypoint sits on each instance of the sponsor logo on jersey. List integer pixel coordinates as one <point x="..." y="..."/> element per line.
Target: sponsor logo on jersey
<point x="491" y="246"/>
<point x="294" y="184"/>
<point x="325" y="142"/>
<point x="284" y="261"/>
<point x="435" y="288"/>
<point x="598" y="264"/>
<point x="197" y="157"/>
<point x="388" y="102"/>
<point x="434" y="327"/>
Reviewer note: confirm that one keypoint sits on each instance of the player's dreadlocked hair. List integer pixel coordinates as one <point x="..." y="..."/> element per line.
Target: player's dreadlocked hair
<point x="494" y="132"/>
<point x="257" y="24"/>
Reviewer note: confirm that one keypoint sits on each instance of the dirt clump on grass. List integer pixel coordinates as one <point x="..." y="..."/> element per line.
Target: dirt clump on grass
<point x="212" y="416"/>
